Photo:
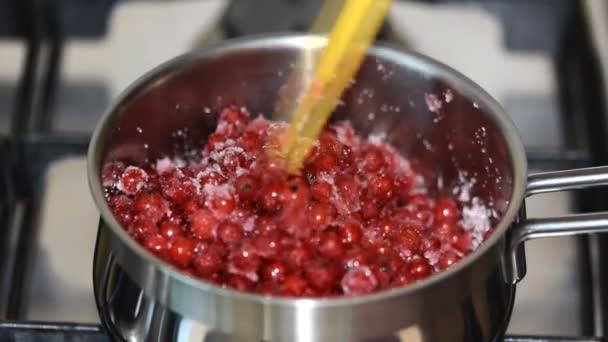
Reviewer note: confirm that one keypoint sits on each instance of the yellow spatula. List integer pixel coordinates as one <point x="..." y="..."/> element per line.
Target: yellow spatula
<point x="356" y="25"/>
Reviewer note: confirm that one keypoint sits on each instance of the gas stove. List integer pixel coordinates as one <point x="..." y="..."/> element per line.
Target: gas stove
<point x="64" y="62"/>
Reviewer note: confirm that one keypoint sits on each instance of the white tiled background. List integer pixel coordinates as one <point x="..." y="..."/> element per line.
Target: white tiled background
<point x="140" y="37"/>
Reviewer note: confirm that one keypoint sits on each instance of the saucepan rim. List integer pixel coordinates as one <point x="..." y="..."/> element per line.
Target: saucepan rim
<point x="423" y="64"/>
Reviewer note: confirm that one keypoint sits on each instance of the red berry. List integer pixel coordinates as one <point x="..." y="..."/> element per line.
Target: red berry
<point x="419" y="269"/>
<point x="330" y="244"/>
<point x="321" y="190"/>
<point x="274" y="271"/>
<point x="150" y="207"/>
<point x="208" y="260"/>
<point x="351" y="233"/>
<point x="272" y="196"/>
<point x="463" y="242"/>
<point x="175" y="188"/>
<point x="229" y="232"/>
<point x="408" y="242"/>
<point x="246" y="187"/>
<point x="299" y="256"/>
<point x="132" y="180"/>
<point x="156" y="244"/>
<point x="357" y="257"/>
<point x="223" y="205"/>
<point x="446" y="210"/>
<point x="359" y="280"/>
<point x="203" y="224"/>
<point x="182" y="251"/>
<point x="322" y="275"/>
<point x="320" y="214"/>
<point x="244" y="262"/>
<point x="447" y="259"/>
<point x="171" y="228"/>
<point x="374" y="160"/>
<point x="324" y="162"/>
<point x="293" y="286"/>
<point x="381" y="187"/>
<point x="250" y="142"/>
<point x="110" y="174"/>
<point x="121" y="206"/>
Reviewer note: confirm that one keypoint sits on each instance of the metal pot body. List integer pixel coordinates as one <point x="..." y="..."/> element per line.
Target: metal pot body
<point x="447" y="126"/>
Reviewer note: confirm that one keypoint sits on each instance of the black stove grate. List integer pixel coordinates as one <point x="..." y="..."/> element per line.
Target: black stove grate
<point x="32" y="145"/>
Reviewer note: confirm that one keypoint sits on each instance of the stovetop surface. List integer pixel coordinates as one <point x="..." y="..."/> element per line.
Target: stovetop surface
<point x="467" y="35"/>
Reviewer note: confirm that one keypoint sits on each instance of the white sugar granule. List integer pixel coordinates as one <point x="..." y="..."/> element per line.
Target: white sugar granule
<point x="476" y="219"/>
<point x="433" y="103"/>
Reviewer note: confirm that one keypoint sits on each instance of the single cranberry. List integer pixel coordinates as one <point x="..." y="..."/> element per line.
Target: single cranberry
<point x="357" y="257"/>
<point x="208" y="260"/>
<point x="156" y="243"/>
<point x="370" y="209"/>
<point x="271" y="196"/>
<point x="388" y="226"/>
<point x="240" y="283"/>
<point x="244" y="262"/>
<point x="293" y="286"/>
<point x="348" y="191"/>
<point x="170" y="228"/>
<point x="320" y="214"/>
<point x="175" y="188"/>
<point x="214" y="141"/>
<point x="229" y="232"/>
<point x="373" y="160"/>
<point x="403" y="278"/>
<point x="359" y="280"/>
<point x="322" y="275"/>
<point x="329" y="143"/>
<point x="419" y="201"/>
<point x="150" y="207"/>
<point x="141" y="227"/>
<point x="446" y="210"/>
<point x="203" y="224"/>
<point x="274" y="271"/>
<point x="223" y="204"/>
<point x="408" y="242"/>
<point x="298" y="194"/>
<point x="463" y="242"/>
<point x="250" y="142"/>
<point x="300" y="256"/>
<point x="381" y="187"/>
<point x="447" y="259"/>
<point x="232" y="121"/>
<point x="110" y="173"/>
<point x="431" y="244"/>
<point x="420" y="269"/>
<point x="324" y="162"/>
<point x="269" y="244"/>
<point x="121" y="206"/>
<point x="330" y="244"/>
<point x="351" y="232"/>
<point x="132" y="180"/>
<point x="321" y="191"/>
<point x="231" y="161"/>
<point x="246" y="187"/>
<point x="383" y="275"/>
<point x="264" y="224"/>
<point x="182" y="251"/>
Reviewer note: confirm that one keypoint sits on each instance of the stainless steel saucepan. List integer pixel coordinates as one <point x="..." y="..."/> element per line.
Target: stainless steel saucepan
<point x="444" y="123"/>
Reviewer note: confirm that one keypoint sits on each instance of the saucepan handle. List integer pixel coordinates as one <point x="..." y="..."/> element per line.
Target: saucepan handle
<point x="528" y="229"/>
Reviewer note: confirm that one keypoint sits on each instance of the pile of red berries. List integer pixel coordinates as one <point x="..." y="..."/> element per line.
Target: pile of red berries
<point x="353" y="222"/>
